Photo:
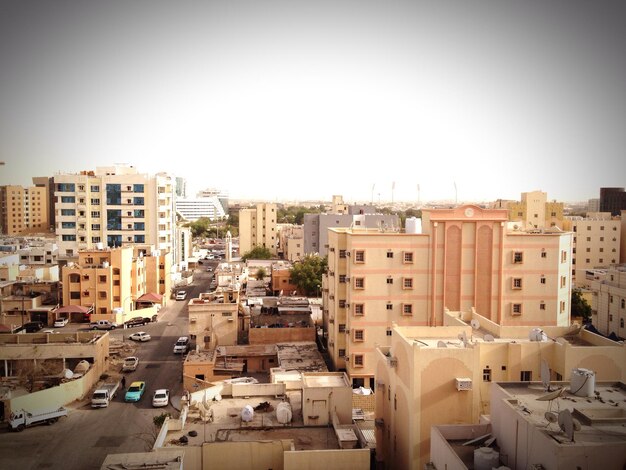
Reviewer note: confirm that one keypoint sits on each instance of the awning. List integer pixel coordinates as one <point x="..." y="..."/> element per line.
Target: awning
<point x="150" y="297"/>
<point x="73" y="309"/>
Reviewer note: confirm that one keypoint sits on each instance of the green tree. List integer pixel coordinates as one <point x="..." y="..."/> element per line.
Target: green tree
<point x="580" y="306"/>
<point x="258" y="252"/>
<point x="307" y="274"/>
<point x="200" y="227"/>
<point x="261" y="273"/>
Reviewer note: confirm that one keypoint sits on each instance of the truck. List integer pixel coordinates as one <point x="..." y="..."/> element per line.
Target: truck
<point x="130" y="364"/>
<point x="103" y="395"/>
<point x="21" y="419"/>
<point x="103" y="325"/>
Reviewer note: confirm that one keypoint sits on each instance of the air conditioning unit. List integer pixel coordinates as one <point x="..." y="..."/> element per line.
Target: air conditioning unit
<point x="347" y="331"/>
<point x="347" y="305"/>
<point x="379" y="422"/>
<point x="332" y="320"/>
<point x="463" y="383"/>
<point x="393" y="361"/>
<point x="331" y="297"/>
<point x="331" y="273"/>
<point x="347" y="278"/>
<point x="331" y="343"/>
<point x="192" y="319"/>
<point x="347" y="253"/>
<point x="332" y="250"/>
<point x="346" y="358"/>
<point x="231" y="319"/>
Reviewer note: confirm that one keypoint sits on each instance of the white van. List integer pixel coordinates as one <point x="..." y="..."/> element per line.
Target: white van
<point x="182" y="345"/>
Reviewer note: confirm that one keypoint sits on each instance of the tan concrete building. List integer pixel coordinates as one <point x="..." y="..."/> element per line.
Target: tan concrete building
<point x="104" y="280"/>
<point x="535" y="211"/>
<point x="465" y="259"/>
<point x="525" y="438"/>
<point x="257" y="227"/>
<point x="597" y="240"/>
<point x="608" y="301"/>
<point x="443" y="375"/>
<point x="291" y="241"/>
<point x="214" y="318"/>
<point x="24" y="210"/>
<point x="113" y="206"/>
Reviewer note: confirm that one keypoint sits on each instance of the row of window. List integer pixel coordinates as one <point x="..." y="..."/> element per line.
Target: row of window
<point x="359" y="282"/>
<point x="358" y="309"/>
<point x="71" y="188"/>
<point x="518" y="308"/>
<point x="589" y="228"/>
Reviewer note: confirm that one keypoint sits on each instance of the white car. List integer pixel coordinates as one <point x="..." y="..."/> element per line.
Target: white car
<point x="181" y="295"/>
<point x="161" y="397"/>
<point x="140" y="336"/>
<point x="61" y="322"/>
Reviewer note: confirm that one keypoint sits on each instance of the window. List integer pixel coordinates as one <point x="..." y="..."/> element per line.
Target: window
<point x="407" y="283"/>
<point x="562" y="306"/>
<point x="389" y="280"/>
<point x="95" y="188"/>
<point x="487" y="374"/>
<point x="138" y="201"/>
<point x="138" y="188"/>
<point x="342" y="278"/>
<point x="95" y="201"/>
<point x="516" y="309"/>
<point x="342" y="253"/>
<point x="68" y="199"/>
<point x="68" y="238"/>
<point x="526" y="375"/>
<point x="359" y="283"/>
<point x="621" y="323"/>
<point x="542" y="305"/>
<point x="623" y="303"/>
<point x="342" y="303"/>
<point x="95" y="214"/>
<point x="359" y="309"/>
<point x="518" y="257"/>
<point x="407" y="309"/>
<point x="389" y="306"/>
<point x="342" y="352"/>
<point x="390" y="254"/>
<point x="359" y="256"/>
<point x="610" y="299"/>
<point x="358" y="360"/>
<point x="563" y="281"/>
<point x="543" y="279"/>
<point x="68" y="212"/>
<point x="563" y="256"/>
<point x="342" y="328"/>
<point x="389" y="331"/>
<point x="359" y="335"/>
<point x="408" y="257"/>
<point x="517" y="283"/>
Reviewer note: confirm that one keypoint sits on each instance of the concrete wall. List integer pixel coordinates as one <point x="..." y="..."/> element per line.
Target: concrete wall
<point x="349" y="459"/>
<point x="257" y="390"/>
<point x="251" y="455"/>
<point x="280" y="335"/>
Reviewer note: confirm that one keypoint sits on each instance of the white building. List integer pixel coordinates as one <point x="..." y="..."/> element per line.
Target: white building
<point x="113" y="206"/>
<point x="209" y="203"/>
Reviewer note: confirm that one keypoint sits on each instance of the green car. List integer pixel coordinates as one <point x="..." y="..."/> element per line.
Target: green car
<point x="135" y="391"/>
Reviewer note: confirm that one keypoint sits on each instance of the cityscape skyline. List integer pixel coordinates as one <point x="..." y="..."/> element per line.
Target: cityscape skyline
<point x="299" y="101"/>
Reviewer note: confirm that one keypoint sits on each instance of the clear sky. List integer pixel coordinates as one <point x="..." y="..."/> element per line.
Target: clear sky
<point x="305" y="99"/>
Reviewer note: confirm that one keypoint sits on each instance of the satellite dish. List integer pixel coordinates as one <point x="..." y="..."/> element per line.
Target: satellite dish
<point x="552" y="395"/>
<point x="545" y="375"/>
<point x="537" y="334"/>
<point x="489" y="338"/>
<point x="566" y="423"/>
<point x="475" y="324"/>
<point x="551" y="416"/>
<point x="463" y="338"/>
<point x="441" y="344"/>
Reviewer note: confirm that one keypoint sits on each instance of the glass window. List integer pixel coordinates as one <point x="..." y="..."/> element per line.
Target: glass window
<point x="68" y="212"/>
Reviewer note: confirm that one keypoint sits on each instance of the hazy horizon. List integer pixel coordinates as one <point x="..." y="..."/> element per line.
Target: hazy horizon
<point x="292" y="100"/>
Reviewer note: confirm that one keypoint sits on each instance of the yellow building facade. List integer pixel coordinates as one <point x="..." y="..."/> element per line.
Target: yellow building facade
<point x="465" y="259"/>
<point x="535" y="211"/>
<point x="257" y="227"/>
<point x="429" y="376"/>
<point x="24" y="210"/>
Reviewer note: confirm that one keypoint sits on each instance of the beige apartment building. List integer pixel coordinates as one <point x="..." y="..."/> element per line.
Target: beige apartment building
<point x="465" y="259"/>
<point x="291" y="241"/>
<point x="608" y="303"/>
<point x="24" y="210"/>
<point x="257" y="227"/>
<point x="105" y="279"/>
<point x="113" y="206"/>
<point x="534" y="210"/>
<point x="443" y="375"/>
<point x="214" y="318"/>
<point x="597" y="240"/>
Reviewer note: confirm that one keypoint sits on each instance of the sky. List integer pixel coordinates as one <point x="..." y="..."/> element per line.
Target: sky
<point x="294" y="100"/>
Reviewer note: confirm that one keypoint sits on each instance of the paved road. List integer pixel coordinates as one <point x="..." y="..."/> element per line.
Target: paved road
<point x="83" y="439"/>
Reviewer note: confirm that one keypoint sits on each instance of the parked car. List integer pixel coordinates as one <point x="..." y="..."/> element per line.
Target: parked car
<point x="135" y="391"/>
<point x="103" y="325"/>
<point x="182" y="345"/>
<point x="50" y="331"/>
<point x="130" y="364"/>
<point x="33" y="326"/>
<point x="140" y="336"/>
<point x="61" y="322"/>
<point x="139" y="321"/>
<point x="181" y="295"/>
<point x="209" y="269"/>
<point x="161" y="397"/>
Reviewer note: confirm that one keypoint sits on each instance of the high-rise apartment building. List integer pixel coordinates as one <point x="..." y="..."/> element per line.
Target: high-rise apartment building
<point x="24" y="210"/>
<point x="596" y="241"/>
<point x="113" y="206"/>
<point x="465" y="259"/>
<point x="612" y="200"/>
<point x="257" y="227"/>
<point x="208" y="204"/>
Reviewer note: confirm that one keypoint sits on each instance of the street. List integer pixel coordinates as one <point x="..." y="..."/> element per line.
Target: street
<point x="83" y="439"/>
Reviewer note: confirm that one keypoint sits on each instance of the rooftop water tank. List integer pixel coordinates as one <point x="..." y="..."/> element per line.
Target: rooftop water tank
<point x="247" y="413"/>
<point x="283" y="413"/>
<point x="485" y="458"/>
<point x="582" y="382"/>
<point x="413" y="225"/>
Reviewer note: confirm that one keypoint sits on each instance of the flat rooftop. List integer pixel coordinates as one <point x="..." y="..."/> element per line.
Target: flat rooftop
<point x="602" y="416"/>
<point x="330" y="379"/>
<point x="302" y="356"/>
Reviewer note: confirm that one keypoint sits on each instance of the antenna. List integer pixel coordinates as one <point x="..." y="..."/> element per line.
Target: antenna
<point x="475" y="324"/>
<point x="441" y="344"/>
<point x="545" y="375"/>
<point x="393" y="188"/>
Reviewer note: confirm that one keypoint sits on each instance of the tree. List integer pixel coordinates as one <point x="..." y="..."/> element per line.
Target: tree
<point x="580" y="306"/>
<point x="307" y="274"/>
<point x="261" y="273"/>
<point x="258" y="252"/>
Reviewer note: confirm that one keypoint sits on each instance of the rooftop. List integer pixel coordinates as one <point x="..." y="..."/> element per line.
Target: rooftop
<point x="302" y="356"/>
